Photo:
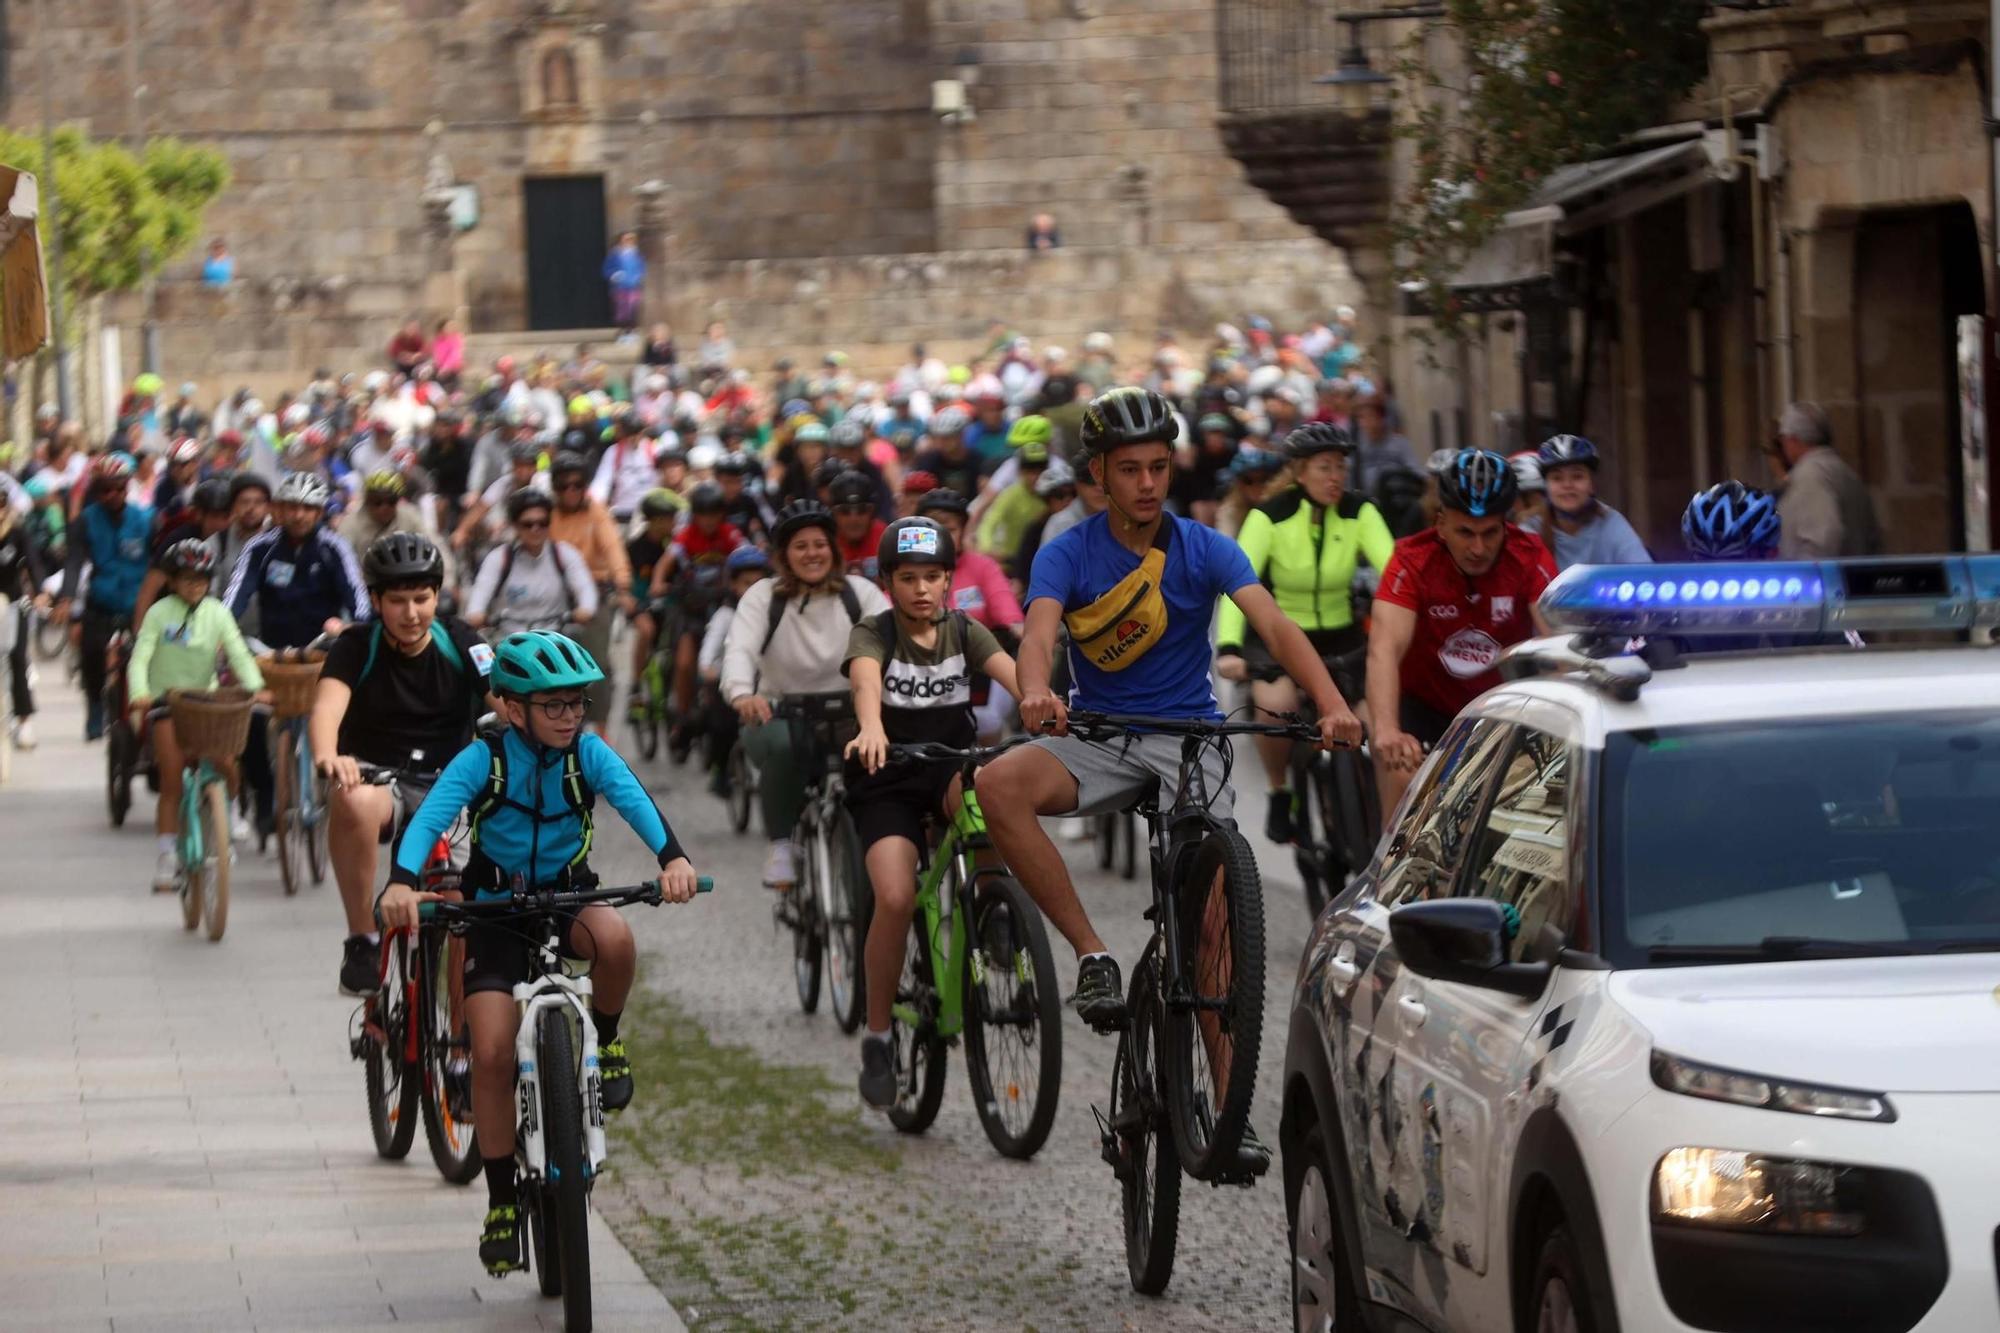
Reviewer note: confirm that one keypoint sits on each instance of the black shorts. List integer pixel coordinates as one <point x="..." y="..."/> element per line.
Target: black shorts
<point x="1427" y="724"/>
<point x="497" y="952"/>
<point x="895" y="802"/>
<point x="1332" y="645"/>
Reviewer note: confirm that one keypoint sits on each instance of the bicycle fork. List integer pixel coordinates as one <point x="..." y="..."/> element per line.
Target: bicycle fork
<point x="536" y="998"/>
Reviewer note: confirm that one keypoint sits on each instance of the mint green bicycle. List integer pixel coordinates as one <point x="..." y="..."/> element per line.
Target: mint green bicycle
<point x="210" y="725"/>
<point x="978" y="965"/>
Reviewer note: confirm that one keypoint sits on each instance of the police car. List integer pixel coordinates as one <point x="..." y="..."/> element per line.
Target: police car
<point x="1671" y="999"/>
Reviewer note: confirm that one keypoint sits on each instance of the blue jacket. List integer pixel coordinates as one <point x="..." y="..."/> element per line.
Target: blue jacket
<point x="299" y="586"/>
<point x="625" y="268"/>
<point x="119" y="551"/>
<point x="540" y="844"/>
<point x="1606" y="540"/>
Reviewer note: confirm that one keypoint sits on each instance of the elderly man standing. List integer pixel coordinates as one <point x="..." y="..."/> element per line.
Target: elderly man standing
<point x="1824" y="512"/>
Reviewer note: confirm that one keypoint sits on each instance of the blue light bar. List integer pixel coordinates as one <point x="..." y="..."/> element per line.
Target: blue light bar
<point x="1940" y="592"/>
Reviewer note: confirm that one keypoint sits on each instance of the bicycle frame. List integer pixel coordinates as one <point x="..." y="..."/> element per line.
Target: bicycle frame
<point x="304" y="789"/>
<point x="945" y="921"/>
<point x="554" y="990"/>
<point x="196" y="780"/>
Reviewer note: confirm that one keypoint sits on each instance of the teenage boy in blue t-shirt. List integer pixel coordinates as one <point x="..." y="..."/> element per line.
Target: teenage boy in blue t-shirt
<point x="1136" y="587"/>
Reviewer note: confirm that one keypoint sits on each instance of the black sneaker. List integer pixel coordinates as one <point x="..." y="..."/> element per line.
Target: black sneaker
<point x="878" y="1072"/>
<point x="1251" y="1155"/>
<point x="1100" y="993"/>
<point x="1278" y="818"/>
<point x="500" y="1242"/>
<point x="614" y="1075"/>
<point x="360" y="970"/>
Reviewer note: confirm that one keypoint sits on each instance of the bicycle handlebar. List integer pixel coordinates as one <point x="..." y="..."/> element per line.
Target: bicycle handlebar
<point x="937" y="752"/>
<point x="815" y="706"/>
<point x="1104" y="724"/>
<point x="531" y="903"/>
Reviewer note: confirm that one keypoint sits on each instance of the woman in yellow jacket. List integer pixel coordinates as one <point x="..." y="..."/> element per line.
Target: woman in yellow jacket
<point x="1305" y="544"/>
<point x="176" y="649"/>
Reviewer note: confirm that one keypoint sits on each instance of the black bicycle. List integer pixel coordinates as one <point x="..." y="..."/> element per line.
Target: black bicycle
<point x="831" y="904"/>
<point x="1186" y="1066"/>
<point x="1337" y="810"/>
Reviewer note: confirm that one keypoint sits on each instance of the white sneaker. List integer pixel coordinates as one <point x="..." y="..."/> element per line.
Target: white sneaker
<point x="239" y="827"/>
<point x="24" y="734"/>
<point x="166" y="871"/>
<point x="778" y="863"/>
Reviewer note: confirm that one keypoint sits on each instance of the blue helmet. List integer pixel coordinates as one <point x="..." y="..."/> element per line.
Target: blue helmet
<point x="1730" y="521"/>
<point x="537" y="661"/>
<point x="745" y="557"/>
<point x="1560" y="449"/>
<point x="1478" y="482"/>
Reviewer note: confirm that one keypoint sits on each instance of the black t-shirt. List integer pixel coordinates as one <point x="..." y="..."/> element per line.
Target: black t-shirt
<point x="959" y="474"/>
<point x="644" y="552"/>
<point x="414" y="712"/>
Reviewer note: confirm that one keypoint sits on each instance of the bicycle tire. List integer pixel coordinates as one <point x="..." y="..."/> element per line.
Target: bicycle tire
<point x="1147" y="1166"/>
<point x="1012" y="946"/>
<point x="918" y="1047"/>
<point x="742" y="788"/>
<point x="853" y="899"/>
<point x="192" y="882"/>
<point x="1223" y="894"/>
<point x="316" y="828"/>
<point x="565" y="1195"/>
<point x="119" y="744"/>
<point x="645" y="730"/>
<point x="284" y="826"/>
<point x="453" y="1142"/>
<point x="214" y="807"/>
<point x="808" y="955"/>
<point x="392" y="1089"/>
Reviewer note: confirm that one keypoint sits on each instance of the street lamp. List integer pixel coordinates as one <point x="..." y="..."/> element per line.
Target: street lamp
<point x="1355" y="78"/>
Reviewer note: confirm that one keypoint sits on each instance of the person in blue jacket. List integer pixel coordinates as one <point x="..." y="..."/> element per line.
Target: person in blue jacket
<point x="529" y="794"/>
<point x="625" y="270"/>
<point x="305" y="577"/>
<point x="113" y="537"/>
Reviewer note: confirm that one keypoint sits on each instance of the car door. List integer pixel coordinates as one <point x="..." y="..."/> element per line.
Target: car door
<point x="1462" y="1044"/>
<point x="1420" y="859"/>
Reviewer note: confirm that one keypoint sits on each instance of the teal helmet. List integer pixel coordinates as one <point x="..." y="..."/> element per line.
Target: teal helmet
<point x="537" y="661"/>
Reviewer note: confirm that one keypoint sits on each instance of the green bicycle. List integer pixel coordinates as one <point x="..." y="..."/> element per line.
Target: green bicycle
<point x="210" y="725"/>
<point x="977" y="965"/>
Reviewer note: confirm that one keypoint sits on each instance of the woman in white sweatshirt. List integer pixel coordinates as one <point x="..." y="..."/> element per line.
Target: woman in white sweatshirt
<point x="789" y="637"/>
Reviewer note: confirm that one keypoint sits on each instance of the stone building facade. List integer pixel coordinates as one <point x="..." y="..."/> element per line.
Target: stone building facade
<point x="364" y="138"/>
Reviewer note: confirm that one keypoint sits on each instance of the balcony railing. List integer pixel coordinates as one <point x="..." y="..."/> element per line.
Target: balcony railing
<point x="1269" y="52"/>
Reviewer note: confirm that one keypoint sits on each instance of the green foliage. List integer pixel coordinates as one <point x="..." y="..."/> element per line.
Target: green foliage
<point x="1542" y="83"/>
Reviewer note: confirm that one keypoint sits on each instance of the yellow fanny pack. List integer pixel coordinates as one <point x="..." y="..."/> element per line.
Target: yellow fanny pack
<point x="1118" y="628"/>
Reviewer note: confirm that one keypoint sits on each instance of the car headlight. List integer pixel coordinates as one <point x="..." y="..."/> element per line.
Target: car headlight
<point x="1727" y="1085"/>
<point x="1719" y="1187"/>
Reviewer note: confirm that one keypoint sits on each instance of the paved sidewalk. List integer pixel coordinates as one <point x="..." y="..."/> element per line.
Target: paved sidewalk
<point x="184" y="1140"/>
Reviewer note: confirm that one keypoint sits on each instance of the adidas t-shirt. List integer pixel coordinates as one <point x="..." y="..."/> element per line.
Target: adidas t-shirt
<point x="926" y="693"/>
<point x="411" y="712"/>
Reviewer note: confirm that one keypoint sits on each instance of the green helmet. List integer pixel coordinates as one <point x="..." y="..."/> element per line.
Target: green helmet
<point x="537" y="661"/>
<point x="1031" y="430"/>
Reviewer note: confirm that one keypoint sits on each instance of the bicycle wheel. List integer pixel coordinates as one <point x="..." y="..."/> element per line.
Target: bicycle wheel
<point x="193" y="876"/>
<point x="312" y="797"/>
<point x="645" y="727"/>
<point x="215" y="841"/>
<point x="1013" y="1020"/>
<point x="742" y="788"/>
<point x="808" y="949"/>
<point x="453" y="1145"/>
<point x="291" y="835"/>
<point x="1212" y="1039"/>
<point x="1139" y="1140"/>
<point x="392" y="1089"/>
<point x="847" y="901"/>
<point x="564" y="1204"/>
<point x="913" y="1033"/>
<point x="120" y="747"/>
<point x="1128" y="836"/>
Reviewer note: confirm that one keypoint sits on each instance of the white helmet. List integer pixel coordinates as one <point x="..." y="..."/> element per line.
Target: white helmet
<point x="296" y="416"/>
<point x="702" y="458"/>
<point x="375" y="381"/>
<point x="302" y="488"/>
<point x="1528" y="471"/>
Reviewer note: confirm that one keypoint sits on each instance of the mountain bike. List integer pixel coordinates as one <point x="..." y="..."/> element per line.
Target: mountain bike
<point x="559" y="1141"/>
<point x="831" y="903"/>
<point x="1186" y="1066"/>
<point x="1336" y="810"/>
<point x="124" y="751"/>
<point x="742" y="780"/>
<point x="977" y="964"/>
<point x="211" y="726"/>
<point x="410" y="1032"/>
<point x="299" y="800"/>
<point x="648" y="710"/>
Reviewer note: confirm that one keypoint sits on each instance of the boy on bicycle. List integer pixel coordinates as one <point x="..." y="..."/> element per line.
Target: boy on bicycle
<point x="530" y="793"/>
<point x="911" y="671"/>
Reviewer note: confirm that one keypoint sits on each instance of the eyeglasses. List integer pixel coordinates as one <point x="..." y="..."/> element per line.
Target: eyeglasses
<point x="531" y="524"/>
<point x="555" y="710"/>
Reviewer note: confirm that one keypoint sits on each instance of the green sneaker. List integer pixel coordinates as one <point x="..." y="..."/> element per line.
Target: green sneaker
<point x="614" y="1074"/>
<point x="500" y="1242"/>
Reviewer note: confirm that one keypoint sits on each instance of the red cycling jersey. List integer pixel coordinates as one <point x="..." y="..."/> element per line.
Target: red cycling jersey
<point x="1462" y="623"/>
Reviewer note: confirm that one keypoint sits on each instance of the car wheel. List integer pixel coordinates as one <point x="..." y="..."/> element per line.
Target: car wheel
<point x="1322" y="1295"/>
<point x="1561" y="1300"/>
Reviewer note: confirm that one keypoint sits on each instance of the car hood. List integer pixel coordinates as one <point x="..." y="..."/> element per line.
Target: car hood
<point x="1917" y="1024"/>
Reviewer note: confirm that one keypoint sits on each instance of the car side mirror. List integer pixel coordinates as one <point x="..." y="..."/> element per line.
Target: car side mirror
<point x="1463" y="940"/>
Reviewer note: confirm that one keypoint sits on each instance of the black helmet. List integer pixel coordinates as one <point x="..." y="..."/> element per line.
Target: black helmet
<point x="707" y="498"/>
<point x="735" y="463"/>
<point x="1558" y="450"/>
<point x="798" y="515"/>
<point x="1129" y="415"/>
<point x="528" y="497"/>
<point x="827" y="473"/>
<point x="943" y="500"/>
<point x="569" y="462"/>
<point x="212" y="496"/>
<point x="659" y="503"/>
<point x="1319" y="437"/>
<point x="191" y="555"/>
<point x="247" y="481"/>
<point x="1478" y="482"/>
<point x="398" y="559"/>
<point x="914" y="541"/>
<point x="851" y="488"/>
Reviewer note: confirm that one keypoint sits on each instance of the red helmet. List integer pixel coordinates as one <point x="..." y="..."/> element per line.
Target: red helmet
<point x="186" y="449"/>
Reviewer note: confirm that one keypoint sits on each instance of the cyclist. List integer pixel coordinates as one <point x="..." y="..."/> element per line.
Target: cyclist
<point x="1582" y="528"/>
<point x="1305" y="545"/>
<point x="580" y="520"/>
<point x="533" y="581"/>
<point x="851" y="496"/>
<point x="1056" y="491"/>
<point x="746" y="567"/>
<point x="627" y="470"/>
<point x="981" y="589"/>
<point x="1017" y="505"/>
<point x="483" y="515"/>
<point x="659" y="510"/>
<point x="947" y="457"/>
<point x="787" y="638"/>
<point x="110" y="536"/>
<point x="400" y="692"/>
<point x="1451" y="598"/>
<point x="743" y="497"/>
<point x="305" y="580"/>
<point x="911" y="671"/>
<point x="688" y="581"/>
<point x="848" y="438"/>
<point x="531" y="791"/>
<point x="249" y="513"/>
<point x="176" y="649"/>
<point x="385" y="508"/>
<point x="205" y="518"/>
<point x="1136" y="587"/>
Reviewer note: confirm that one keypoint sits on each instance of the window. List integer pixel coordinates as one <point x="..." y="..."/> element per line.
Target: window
<point x="1522" y="857"/>
<point x="1423" y="858"/>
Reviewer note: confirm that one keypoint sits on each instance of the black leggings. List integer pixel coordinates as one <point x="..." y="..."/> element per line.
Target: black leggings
<point x="98" y="628"/>
<point x="17" y="663"/>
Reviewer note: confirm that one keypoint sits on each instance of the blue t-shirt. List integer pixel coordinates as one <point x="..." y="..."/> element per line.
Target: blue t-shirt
<point x="1172" y="679"/>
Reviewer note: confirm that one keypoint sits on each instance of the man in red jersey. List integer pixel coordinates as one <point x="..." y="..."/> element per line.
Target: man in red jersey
<point x="1451" y="599"/>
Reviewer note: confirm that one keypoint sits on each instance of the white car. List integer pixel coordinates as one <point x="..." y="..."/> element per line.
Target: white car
<point x="1671" y="997"/>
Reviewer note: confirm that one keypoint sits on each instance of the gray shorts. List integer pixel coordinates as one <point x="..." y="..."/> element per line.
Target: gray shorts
<point x="1111" y="775"/>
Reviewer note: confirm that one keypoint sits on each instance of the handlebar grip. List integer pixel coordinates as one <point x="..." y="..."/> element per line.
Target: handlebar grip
<point x="704" y="884"/>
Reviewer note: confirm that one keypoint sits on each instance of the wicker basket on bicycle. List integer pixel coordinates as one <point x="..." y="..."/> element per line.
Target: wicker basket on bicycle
<point x="292" y="685"/>
<point x="211" y="724"/>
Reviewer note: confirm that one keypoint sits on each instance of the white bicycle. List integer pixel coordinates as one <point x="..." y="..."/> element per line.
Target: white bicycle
<point x="559" y="1140"/>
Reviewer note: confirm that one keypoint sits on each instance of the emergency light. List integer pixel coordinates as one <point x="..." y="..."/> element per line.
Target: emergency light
<point x="1777" y="597"/>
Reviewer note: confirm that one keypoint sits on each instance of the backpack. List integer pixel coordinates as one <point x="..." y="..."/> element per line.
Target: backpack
<point x="849" y="600"/>
<point x="562" y="576"/>
<point x="578" y="794"/>
<point x="439" y="636"/>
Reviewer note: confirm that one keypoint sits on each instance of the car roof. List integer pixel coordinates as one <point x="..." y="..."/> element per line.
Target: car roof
<point x="1729" y="688"/>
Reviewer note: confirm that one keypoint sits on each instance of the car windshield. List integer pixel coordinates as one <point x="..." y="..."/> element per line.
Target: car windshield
<point x="1837" y="838"/>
